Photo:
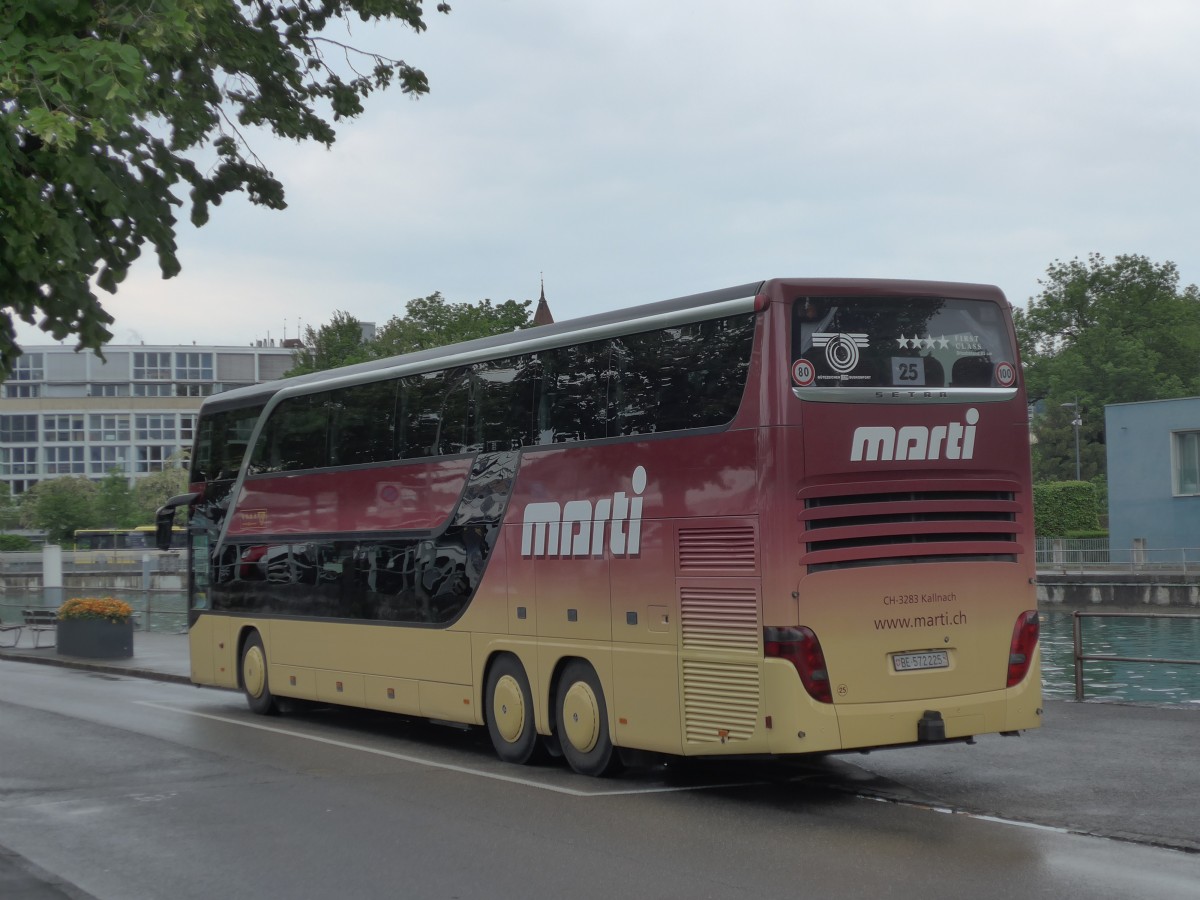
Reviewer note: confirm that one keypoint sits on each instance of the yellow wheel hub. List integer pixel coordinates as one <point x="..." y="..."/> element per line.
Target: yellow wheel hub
<point x="508" y="708"/>
<point x="581" y="717"/>
<point x="254" y="672"/>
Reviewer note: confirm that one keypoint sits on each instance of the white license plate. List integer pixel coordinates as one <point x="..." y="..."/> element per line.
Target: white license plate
<point x="910" y="662"/>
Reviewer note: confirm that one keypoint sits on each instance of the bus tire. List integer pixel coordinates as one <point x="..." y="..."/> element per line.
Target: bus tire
<point x="509" y="705"/>
<point x="253" y="675"/>
<point x="581" y="721"/>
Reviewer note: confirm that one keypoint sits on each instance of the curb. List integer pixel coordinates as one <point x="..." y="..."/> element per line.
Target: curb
<point x="88" y="665"/>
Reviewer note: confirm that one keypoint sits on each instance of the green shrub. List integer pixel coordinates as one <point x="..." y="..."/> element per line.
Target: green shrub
<point x="1062" y="507"/>
<point x="15" y="542"/>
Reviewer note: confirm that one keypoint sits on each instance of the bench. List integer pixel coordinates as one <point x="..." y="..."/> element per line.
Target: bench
<point x="36" y="621"/>
<point x="40" y="621"/>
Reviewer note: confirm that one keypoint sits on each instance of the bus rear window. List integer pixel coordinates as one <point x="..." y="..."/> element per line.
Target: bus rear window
<point x="901" y="343"/>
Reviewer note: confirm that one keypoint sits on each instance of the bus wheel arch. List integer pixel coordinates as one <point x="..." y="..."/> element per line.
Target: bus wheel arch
<point x="252" y="674"/>
<point x="581" y="719"/>
<point x="509" y="710"/>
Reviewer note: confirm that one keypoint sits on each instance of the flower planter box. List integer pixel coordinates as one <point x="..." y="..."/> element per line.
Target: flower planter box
<point x="95" y="638"/>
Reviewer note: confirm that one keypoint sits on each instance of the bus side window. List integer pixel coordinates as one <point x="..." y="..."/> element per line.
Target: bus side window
<point x="418" y="414"/>
<point x="689" y="376"/>
<point x="646" y="395"/>
<point x="361" y="425"/>
<point x="296" y="436"/>
<point x="504" y="403"/>
<point x="574" y="400"/>
<point x="455" y="434"/>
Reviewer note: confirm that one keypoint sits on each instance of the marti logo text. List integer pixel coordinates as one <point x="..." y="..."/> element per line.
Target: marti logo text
<point x="915" y="442"/>
<point x="576" y="528"/>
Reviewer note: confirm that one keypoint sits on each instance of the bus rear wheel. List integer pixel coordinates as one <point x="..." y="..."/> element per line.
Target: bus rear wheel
<point x="510" y="712"/>
<point x="581" y="720"/>
<point x="253" y="673"/>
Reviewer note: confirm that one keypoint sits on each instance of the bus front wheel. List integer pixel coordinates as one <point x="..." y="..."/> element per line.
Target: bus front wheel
<point x="254" y="677"/>
<point x="581" y="717"/>
<point x="510" y="712"/>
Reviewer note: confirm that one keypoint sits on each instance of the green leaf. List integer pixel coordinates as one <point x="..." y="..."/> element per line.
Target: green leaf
<point x="84" y="186"/>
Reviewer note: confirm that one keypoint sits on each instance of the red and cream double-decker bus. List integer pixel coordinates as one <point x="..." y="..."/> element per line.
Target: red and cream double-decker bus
<point x="788" y="517"/>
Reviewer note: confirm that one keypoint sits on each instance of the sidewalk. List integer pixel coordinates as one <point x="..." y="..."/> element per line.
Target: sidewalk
<point x="163" y="657"/>
<point x="1115" y="770"/>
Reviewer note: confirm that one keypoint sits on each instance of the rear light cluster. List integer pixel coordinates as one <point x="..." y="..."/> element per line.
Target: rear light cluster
<point x="1024" y="642"/>
<point x="800" y="647"/>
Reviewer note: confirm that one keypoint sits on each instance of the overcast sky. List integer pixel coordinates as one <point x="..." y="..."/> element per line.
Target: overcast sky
<point x="636" y="151"/>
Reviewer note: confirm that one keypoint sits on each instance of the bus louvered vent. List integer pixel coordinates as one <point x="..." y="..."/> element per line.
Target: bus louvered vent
<point x="718" y="550"/>
<point x="719" y="618"/>
<point x="846" y="526"/>
<point x="720" y="701"/>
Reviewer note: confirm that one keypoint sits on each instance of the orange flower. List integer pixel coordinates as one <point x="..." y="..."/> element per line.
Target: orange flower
<point x="107" y="608"/>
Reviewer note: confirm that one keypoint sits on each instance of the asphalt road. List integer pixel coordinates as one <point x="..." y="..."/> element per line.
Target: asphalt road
<point x="124" y="789"/>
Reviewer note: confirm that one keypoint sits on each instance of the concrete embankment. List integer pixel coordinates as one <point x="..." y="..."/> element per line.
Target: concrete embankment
<point x="1159" y="591"/>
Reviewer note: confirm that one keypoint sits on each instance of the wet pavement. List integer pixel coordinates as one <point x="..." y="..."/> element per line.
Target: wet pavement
<point x="1115" y="770"/>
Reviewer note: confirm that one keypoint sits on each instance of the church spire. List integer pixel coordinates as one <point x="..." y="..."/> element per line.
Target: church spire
<point x="542" y="315"/>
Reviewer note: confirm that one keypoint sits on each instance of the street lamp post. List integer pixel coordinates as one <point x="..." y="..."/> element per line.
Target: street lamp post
<point x="1076" y="422"/>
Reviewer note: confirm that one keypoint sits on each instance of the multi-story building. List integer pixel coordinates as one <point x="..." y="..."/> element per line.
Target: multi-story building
<point x="68" y="413"/>
<point x="1153" y="479"/>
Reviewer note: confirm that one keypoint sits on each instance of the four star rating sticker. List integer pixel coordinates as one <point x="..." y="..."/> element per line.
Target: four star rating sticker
<point x="916" y="342"/>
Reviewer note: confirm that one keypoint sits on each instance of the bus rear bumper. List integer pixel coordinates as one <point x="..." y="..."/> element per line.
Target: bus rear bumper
<point x="800" y="725"/>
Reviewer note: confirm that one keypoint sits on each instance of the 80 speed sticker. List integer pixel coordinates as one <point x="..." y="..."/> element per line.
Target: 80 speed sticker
<point x="803" y="372"/>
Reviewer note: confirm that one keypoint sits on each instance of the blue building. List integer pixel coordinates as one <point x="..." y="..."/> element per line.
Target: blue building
<point x="1153" y="476"/>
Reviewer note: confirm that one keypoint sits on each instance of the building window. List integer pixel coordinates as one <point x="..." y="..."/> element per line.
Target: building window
<point x="106" y="459"/>
<point x="18" y="460"/>
<point x="64" y="460"/>
<point x="110" y="390"/>
<point x="193" y="367"/>
<point x="1186" y="463"/>
<point x="63" y="428"/>
<point x="18" y="429"/>
<point x="152" y="367"/>
<point x="22" y="391"/>
<point x="155" y="427"/>
<point x="21" y="485"/>
<point x="108" y="428"/>
<point x="154" y="390"/>
<point x="153" y="459"/>
<point x="193" y="390"/>
<point x="187" y="428"/>
<point x="28" y="367"/>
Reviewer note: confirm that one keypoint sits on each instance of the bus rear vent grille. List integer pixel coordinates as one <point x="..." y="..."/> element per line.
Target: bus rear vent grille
<point x="719" y="618"/>
<point x="873" y="526"/>
<point x="720" y="701"/>
<point x="718" y="550"/>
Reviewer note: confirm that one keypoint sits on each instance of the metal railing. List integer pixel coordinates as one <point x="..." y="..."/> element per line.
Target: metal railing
<point x="1070" y="556"/>
<point x="1080" y="657"/>
<point x="91" y="561"/>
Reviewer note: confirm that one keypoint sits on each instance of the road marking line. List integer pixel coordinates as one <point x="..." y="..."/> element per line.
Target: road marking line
<point x="950" y="811"/>
<point x="449" y="767"/>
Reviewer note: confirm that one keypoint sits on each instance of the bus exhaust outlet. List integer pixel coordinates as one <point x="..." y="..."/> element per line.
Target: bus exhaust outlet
<point x="931" y="726"/>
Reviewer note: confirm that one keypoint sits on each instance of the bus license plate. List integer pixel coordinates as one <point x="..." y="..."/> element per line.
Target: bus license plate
<point x="910" y="662"/>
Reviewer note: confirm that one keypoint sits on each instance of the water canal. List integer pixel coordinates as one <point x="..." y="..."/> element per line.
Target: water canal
<point x="1176" y="638"/>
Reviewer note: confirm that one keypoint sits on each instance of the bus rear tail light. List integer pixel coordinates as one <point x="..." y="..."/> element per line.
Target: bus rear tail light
<point x="1024" y="642"/>
<point x="800" y="647"/>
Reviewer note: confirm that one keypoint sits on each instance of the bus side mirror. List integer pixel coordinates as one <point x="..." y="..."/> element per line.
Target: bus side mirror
<point x="164" y="519"/>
